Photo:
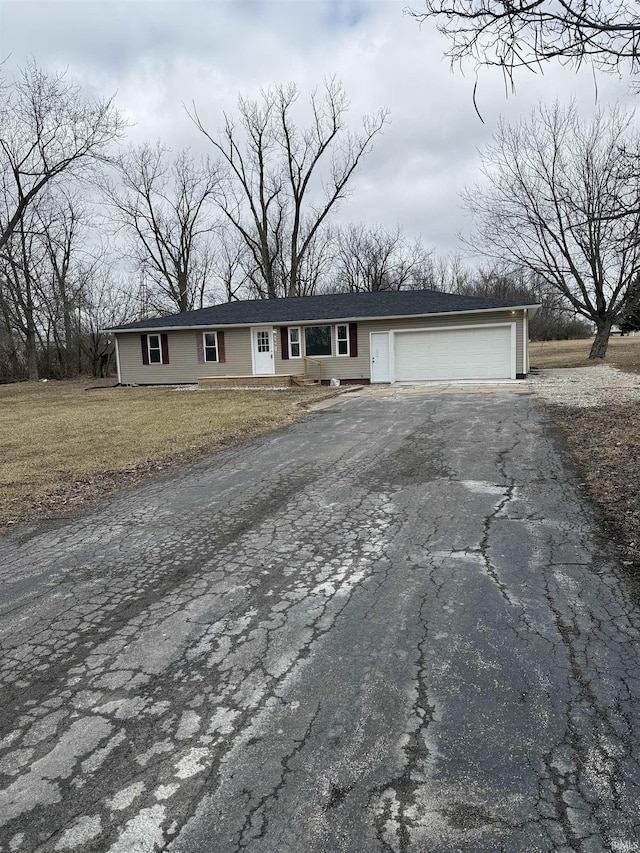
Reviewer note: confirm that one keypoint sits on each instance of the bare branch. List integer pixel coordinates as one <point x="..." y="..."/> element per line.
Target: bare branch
<point x="374" y="259"/>
<point x="512" y="34"/>
<point x="166" y="208"/>
<point x="48" y="130"/>
<point x="283" y="181"/>
<point x="551" y="204"/>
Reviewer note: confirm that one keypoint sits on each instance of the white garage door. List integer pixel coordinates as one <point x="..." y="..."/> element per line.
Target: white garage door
<point x="484" y="352"/>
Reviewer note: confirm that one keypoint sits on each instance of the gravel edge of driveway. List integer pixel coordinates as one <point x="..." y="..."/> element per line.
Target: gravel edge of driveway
<point x="586" y="387"/>
<point x="596" y="410"/>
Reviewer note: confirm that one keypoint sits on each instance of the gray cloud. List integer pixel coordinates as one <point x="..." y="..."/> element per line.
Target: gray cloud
<point x="159" y="55"/>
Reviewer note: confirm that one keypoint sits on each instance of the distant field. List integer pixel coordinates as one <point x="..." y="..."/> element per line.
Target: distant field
<point x="622" y="352"/>
<point x="64" y="446"/>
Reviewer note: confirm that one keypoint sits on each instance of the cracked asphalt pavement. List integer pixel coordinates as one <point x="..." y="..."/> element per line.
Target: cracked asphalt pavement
<point x="390" y="627"/>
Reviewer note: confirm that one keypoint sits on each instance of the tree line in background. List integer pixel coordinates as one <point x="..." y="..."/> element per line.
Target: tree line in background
<point x="94" y="233"/>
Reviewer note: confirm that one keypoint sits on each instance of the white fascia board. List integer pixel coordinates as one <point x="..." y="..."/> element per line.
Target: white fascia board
<point x="532" y="308"/>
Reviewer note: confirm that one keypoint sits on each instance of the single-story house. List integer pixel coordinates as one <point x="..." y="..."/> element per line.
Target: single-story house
<point x="390" y="336"/>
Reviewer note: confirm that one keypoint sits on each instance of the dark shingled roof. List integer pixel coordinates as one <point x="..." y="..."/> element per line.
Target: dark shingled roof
<point x="336" y="306"/>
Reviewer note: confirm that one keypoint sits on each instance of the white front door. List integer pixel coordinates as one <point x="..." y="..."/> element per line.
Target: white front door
<point x="380" y="357"/>
<point x="263" y="361"/>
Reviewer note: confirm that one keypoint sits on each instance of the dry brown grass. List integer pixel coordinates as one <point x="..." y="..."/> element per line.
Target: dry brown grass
<point x="623" y="353"/>
<point x="64" y="447"/>
<point x="605" y="442"/>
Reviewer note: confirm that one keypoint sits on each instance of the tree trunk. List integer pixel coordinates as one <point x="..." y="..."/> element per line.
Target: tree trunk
<point x="599" y="346"/>
<point x="31" y="351"/>
<point x="67" y="351"/>
<point x="293" y="288"/>
<point x="183" y="291"/>
<point x="270" y="278"/>
<point x="79" y="353"/>
<point x="14" y="368"/>
<point x="105" y="361"/>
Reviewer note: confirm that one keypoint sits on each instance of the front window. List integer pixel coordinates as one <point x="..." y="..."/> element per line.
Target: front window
<point x="210" y="346"/>
<point x="155" y="349"/>
<point x="342" y="339"/>
<point x="317" y="340"/>
<point x="294" y="343"/>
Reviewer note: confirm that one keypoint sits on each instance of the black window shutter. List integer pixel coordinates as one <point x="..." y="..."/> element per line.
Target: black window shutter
<point x="353" y="340"/>
<point x="164" y="340"/>
<point x="284" y="342"/>
<point x="145" y="349"/>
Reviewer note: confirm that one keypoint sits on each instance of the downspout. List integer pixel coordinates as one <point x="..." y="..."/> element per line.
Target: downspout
<point x="118" y="361"/>
<point x="525" y="342"/>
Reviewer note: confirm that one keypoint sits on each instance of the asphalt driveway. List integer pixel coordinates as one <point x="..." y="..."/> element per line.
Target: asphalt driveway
<point x="387" y="628"/>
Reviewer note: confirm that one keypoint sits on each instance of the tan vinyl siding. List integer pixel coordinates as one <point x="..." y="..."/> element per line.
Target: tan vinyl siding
<point x="359" y="367"/>
<point x="183" y="359"/>
<point x="183" y="356"/>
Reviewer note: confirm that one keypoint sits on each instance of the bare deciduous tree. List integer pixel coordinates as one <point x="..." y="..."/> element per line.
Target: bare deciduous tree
<point x="233" y="265"/>
<point x="315" y="266"/>
<point x="282" y="181"/>
<point x="43" y="273"/>
<point x="630" y="319"/>
<point x="63" y="222"/>
<point x="552" y="204"/>
<point x="373" y="259"/>
<point x="47" y="129"/>
<point x="513" y="34"/>
<point x="554" y="320"/>
<point x="166" y="208"/>
<point x="21" y="269"/>
<point x="448" y="273"/>
<point x="109" y="302"/>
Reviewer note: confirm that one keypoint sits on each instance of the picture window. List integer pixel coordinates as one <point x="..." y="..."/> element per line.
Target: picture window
<point x="317" y="340"/>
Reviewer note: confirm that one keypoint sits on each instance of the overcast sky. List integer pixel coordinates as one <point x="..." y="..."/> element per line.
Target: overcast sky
<point x="158" y="55"/>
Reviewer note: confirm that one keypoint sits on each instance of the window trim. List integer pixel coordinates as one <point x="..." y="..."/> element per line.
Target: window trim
<point x="215" y="360"/>
<point x="319" y="326"/>
<point x="290" y="343"/>
<point x="158" y="348"/>
<point x="346" y="339"/>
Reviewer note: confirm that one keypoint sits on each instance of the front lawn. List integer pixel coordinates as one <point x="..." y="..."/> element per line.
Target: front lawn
<point x="63" y="447"/>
